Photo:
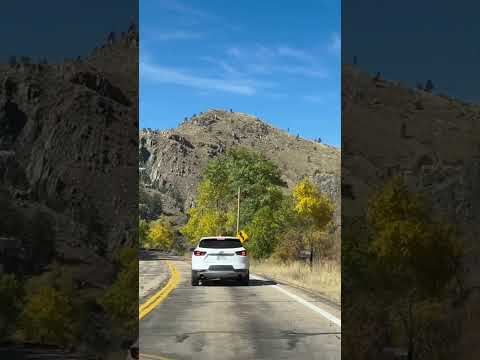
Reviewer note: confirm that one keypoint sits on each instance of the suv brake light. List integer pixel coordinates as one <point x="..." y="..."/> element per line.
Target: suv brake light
<point x="241" y="253"/>
<point x="199" y="253"/>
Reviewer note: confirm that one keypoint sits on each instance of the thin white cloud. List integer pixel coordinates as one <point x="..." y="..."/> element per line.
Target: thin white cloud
<point x="227" y="68"/>
<point x="172" y="35"/>
<point x="182" y="9"/>
<point x="157" y="73"/>
<point x="263" y="60"/>
<point x="294" y="53"/>
<point x="316" y="72"/>
<point x="262" y="52"/>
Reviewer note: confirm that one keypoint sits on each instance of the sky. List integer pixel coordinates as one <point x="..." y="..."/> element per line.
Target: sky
<point x="413" y="41"/>
<point x="277" y="60"/>
<point x="59" y="29"/>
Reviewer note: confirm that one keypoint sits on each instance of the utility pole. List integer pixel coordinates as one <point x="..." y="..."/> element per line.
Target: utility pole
<point x="238" y="210"/>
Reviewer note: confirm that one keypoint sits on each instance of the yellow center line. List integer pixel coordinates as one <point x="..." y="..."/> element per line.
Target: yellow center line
<point x="162" y="294"/>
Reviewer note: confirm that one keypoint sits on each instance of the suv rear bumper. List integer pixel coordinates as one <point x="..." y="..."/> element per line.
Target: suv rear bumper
<point x="222" y="273"/>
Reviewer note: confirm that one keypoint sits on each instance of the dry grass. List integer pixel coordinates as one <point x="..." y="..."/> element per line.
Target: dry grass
<point x="325" y="278"/>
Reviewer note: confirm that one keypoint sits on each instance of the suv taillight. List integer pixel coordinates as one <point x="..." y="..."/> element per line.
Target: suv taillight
<point x="241" y="253"/>
<point x="199" y="253"/>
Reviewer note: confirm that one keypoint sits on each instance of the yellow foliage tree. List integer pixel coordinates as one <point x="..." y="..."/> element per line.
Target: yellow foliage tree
<point x="208" y="221"/>
<point x="416" y="259"/>
<point x="160" y="235"/>
<point x="259" y="181"/>
<point x="422" y="252"/>
<point x="315" y="210"/>
<point x="312" y="205"/>
<point x="47" y="318"/>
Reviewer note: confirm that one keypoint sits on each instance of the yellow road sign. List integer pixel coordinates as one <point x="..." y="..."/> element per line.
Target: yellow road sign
<point x="242" y="236"/>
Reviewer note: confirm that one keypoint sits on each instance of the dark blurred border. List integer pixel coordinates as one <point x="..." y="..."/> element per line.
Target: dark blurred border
<point x="410" y="170"/>
<point x="68" y="179"/>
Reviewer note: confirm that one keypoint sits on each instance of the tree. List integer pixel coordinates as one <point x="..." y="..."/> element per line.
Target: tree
<point x="111" y="37"/>
<point x="416" y="259"/>
<point x="268" y="226"/>
<point x="143" y="229"/>
<point x="160" y="235"/>
<point x="132" y="27"/>
<point x="405" y="237"/>
<point x="429" y="86"/>
<point x="149" y="204"/>
<point x="121" y="299"/>
<point x="47" y="318"/>
<point x="259" y="181"/>
<point x="208" y="221"/>
<point x="316" y="211"/>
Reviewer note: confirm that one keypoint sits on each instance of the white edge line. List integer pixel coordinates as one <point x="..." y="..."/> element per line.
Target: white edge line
<point x="322" y="312"/>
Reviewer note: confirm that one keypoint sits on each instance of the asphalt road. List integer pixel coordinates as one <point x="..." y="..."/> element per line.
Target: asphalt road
<point x="228" y="321"/>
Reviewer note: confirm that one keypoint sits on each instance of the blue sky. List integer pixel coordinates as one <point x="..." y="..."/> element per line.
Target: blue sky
<point x="59" y="29"/>
<point x="278" y="60"/>
<point x="413" y="41"/>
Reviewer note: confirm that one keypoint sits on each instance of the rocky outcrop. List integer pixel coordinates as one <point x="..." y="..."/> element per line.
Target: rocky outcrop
<point x="68" y="147"/>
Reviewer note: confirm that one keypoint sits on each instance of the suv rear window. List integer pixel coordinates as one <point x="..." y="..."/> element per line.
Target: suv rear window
<point x="220" y="244"/>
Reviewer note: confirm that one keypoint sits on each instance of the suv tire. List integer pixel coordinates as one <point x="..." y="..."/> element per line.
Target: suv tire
<point x="245" y="279"/>
<point x="194" y="278"/>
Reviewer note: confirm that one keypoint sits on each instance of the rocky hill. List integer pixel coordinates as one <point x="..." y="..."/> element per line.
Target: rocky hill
<point x="171" y="161"/>
<point x="68" y="148"/>
<point x="431" y="140"/>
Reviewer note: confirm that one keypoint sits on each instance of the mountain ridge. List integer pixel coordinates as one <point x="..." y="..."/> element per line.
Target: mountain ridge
<point x="171" y="161"/>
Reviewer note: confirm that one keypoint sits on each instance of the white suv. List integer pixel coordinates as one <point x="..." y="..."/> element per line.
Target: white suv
<point x="220" y="257"/>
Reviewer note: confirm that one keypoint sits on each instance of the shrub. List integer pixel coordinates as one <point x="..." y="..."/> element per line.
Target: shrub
<point x="120" y="301"/>
<point x="160" y="235"/>
<point x="47" y="318"/>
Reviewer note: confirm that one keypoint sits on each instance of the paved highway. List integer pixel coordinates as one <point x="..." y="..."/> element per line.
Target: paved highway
<point x="228" y="321"/>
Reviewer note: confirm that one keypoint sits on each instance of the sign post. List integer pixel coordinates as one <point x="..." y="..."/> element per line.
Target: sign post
<point x="238" y="210"/>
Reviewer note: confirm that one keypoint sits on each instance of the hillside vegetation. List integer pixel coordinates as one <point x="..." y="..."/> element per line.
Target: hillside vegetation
<point x="289" y="189"/>
<point x="280" y="224"/>
<point x="410" y="220"/>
